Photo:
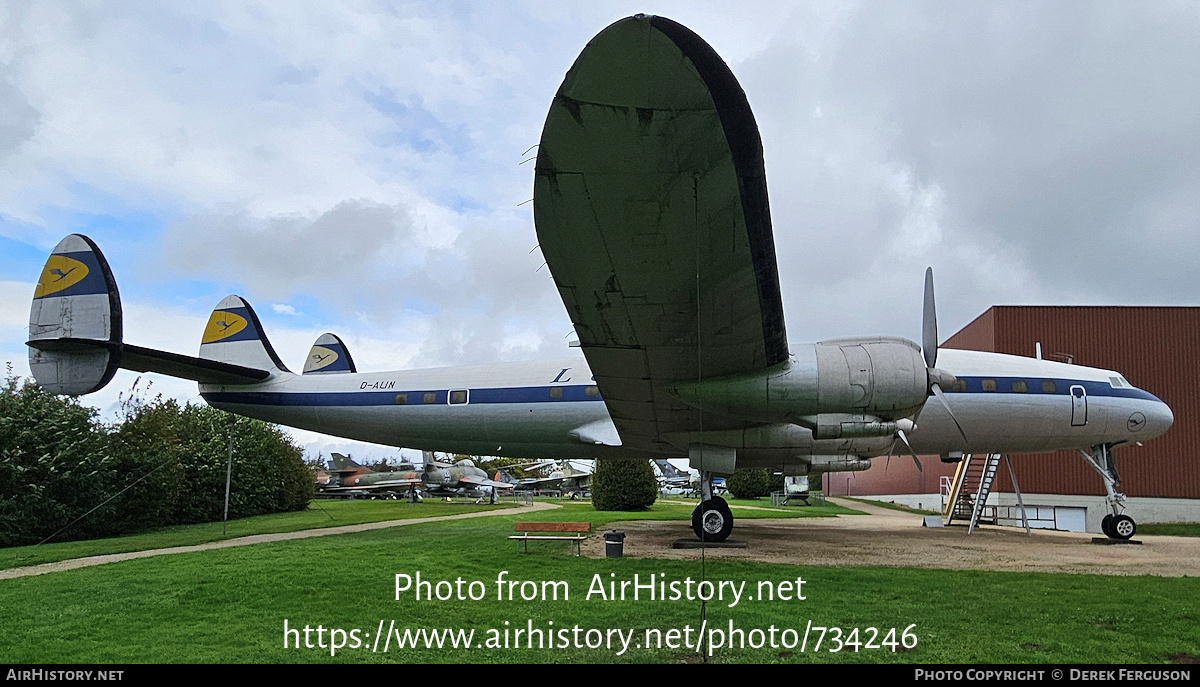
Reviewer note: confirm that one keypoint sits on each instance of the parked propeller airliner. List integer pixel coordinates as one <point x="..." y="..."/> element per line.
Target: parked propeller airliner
<point x="650" y="204"/>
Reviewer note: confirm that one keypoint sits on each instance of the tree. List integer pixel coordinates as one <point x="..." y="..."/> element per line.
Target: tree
<point x="162" y="464"/>
<point x="623" y="485"/>
<point x="749" y="483"/>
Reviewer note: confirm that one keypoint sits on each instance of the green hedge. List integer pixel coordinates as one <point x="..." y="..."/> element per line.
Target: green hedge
<point x="57" y="462"/>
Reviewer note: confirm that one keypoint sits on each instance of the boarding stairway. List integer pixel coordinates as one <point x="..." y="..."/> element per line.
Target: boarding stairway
<point x="965" y="496"/>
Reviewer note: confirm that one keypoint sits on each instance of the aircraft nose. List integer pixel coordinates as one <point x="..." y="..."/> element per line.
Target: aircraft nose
<point x="1159" y="418"/>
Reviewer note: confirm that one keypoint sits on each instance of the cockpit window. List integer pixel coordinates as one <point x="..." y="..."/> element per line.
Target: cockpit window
<point x="1118" y="382"/>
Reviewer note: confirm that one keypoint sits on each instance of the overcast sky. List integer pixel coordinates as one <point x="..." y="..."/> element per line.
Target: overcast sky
<point x="356" y="168"/>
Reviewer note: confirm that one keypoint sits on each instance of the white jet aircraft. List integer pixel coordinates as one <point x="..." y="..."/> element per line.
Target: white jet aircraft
<point x="650" y="203"/>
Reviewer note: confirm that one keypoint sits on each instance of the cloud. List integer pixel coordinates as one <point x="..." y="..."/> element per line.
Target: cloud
<point x="358" y="165"/>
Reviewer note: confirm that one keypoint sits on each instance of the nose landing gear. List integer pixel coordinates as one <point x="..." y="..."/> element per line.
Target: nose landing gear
<point x="1116" y="525"/>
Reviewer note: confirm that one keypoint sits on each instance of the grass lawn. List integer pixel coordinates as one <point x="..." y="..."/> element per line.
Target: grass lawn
<point x="1180" y="529"/>
<point x="320" y="513"/>
<point x="230" y="605"/>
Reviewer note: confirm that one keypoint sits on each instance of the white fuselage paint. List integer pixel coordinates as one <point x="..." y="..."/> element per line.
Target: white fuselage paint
<point x="510" y="410"/>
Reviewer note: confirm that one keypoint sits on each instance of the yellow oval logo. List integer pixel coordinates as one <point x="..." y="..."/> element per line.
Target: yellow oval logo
<point x="59" y="273"/>
<point x="320" y="357"/>
<point x="222" y="325"/>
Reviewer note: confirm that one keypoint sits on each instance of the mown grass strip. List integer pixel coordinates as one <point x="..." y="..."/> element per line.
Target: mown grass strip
<point x="320" y="514"/>
<point x="230" y="605"/>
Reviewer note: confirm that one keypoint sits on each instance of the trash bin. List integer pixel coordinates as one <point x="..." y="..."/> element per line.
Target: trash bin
<point x="614" y="544"/>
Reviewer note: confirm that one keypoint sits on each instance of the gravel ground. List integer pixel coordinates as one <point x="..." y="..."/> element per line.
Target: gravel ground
<point x="893" y="538"/>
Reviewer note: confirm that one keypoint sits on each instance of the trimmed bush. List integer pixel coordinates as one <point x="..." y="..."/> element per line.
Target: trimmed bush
<point x="623" y="485"/>
<point x="749" y="483"/>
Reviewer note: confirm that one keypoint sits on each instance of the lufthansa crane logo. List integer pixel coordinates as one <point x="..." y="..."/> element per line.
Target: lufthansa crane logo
<point x="222" y="325"/>
<point x="60" y="273"/>
<point x="1136" y="422"/>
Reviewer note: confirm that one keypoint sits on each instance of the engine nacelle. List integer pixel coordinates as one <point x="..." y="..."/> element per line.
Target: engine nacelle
<point x="878" y="379"/>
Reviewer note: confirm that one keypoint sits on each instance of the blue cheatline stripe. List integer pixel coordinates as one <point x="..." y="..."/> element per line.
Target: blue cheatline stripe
<point x="541" y="394"/>
<point x="1004" y="385"/>
<point x="525" y="394"/>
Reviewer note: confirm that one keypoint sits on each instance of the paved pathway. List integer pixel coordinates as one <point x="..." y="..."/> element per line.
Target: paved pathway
<point x="72" y="563"/>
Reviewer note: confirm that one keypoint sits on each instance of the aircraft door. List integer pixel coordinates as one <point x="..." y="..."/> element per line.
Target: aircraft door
<point x="1078" y="406"/>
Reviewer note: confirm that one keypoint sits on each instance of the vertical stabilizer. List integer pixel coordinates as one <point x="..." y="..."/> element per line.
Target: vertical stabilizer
<point x="328" y="355"/>
<point x="341" y="462"/>
<point x="234" y="335"/>
<point x="75" y="320"/>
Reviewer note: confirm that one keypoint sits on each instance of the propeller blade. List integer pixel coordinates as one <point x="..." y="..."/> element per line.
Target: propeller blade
<point x="900" y="433"/>
<point x="929" y="337"/>
<point x="937" y="391"/>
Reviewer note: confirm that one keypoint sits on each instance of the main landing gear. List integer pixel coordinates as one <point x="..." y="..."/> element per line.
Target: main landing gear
<point x="712" y="521"/>
<point x="1116" y="525"/>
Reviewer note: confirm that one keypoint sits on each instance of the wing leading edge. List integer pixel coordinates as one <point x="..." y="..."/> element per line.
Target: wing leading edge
<point x="650" y="203"/>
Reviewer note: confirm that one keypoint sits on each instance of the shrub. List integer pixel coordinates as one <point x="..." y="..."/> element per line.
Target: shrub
<point x="623" y="485"/>
<point x="749" y="483"/>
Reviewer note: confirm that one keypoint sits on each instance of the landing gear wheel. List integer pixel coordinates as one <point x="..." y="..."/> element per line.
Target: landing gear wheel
<point x="1105" y="524"/>
<point x="712" y="520"/>
<point x="1122" y="527"/>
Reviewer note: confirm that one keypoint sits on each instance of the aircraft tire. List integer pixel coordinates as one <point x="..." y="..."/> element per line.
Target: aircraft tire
<point x="1105" y="524"/>
<point x="712" y="520"/>
<point x="1122" y="527"/>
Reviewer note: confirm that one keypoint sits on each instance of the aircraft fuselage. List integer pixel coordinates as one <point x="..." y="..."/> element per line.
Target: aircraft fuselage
<point x="1006" y="404"/>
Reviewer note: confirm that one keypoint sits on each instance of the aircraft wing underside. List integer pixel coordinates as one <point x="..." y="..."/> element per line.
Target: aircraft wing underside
<point x="650" y="202"/>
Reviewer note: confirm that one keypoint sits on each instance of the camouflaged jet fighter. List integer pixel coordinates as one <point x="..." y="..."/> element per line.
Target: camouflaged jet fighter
<point x="462" y="478"/>
<point x="651" y="210"/>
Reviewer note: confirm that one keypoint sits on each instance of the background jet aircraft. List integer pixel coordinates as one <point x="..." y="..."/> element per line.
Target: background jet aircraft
<point x="462" y="478"/>
<point x="671" y="477"/>
<point x="564" y="477"/>
<point x="651" y="209"/>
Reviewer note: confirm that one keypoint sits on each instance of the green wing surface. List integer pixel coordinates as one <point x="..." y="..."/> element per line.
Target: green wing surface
<point x="650" y="202"/>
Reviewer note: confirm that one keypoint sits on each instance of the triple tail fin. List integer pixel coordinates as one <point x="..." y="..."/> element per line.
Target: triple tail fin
<point x="329" y="355"/>
<point x="75" y="321"/>
<point x="76" y="336"/>
<point x="235" y="336"/>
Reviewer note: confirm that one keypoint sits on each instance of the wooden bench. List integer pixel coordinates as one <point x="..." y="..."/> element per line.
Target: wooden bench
<point x="579" y="529"/>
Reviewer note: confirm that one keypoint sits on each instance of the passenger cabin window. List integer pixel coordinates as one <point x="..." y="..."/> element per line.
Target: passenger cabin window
<point x="556" y="392"/>
<point x="1048" y="386"/>
<point x="1019" y="386"/>
<point x="592" y="391"/>
<point x="458" y="396"/>
<point x="960" y="385"/>
<point x="430" y="397"/>
<point x="989" y="385"/>
<point x="402" y="399"/>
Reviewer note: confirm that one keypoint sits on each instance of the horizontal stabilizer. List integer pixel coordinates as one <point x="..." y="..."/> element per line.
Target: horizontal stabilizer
<point x="329" y="355"/>
<point x="200" y="370"/>
<point x="141" y="359"/>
